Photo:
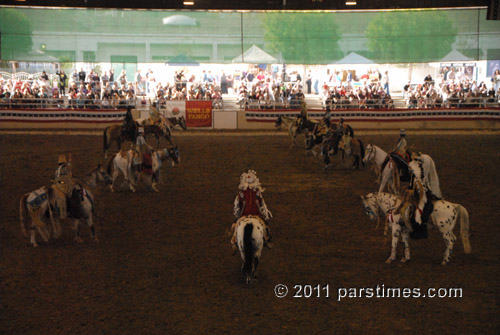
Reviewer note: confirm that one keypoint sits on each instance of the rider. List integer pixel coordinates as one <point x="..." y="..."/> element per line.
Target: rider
<point x="154" y="114"/>
<point x="249" y="201"/>
<point x="338" y="134"/>
<point x="128" y="122"/>
<point x="400" y="153"/>
<point x="63" y="167"/>
<point x="143" y="152"/>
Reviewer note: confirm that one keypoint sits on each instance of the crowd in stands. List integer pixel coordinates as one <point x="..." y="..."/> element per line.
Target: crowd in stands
<point x="94" y="91"/>
<point x="455" y="92"/>
<point x="255" y="88"/>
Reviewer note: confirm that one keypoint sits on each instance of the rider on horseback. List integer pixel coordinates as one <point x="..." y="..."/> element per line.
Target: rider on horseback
<point x="143" y="158"/>
<point x="128" y="125"/>
<point x="249" y="201"/>
<point x="154" y="114"/>
<point x="399" y="153"/>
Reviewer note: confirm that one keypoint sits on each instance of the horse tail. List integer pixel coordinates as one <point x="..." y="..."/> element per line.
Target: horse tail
<point x="248" y="247"/>
<point x="105" y="140"/>
<point x="350" y="131"/>
<point x="463" y="216"/>
<point x="110" y="164"/>
<point x="362" y="150"/>
<point x="23" y="212"/>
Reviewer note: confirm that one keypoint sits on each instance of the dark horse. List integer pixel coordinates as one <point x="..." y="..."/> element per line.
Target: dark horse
<point x="120" y="134"/>
<point x="296" y="126"/>
<point x="178" y="121"/>
<point x="331" y="142"/>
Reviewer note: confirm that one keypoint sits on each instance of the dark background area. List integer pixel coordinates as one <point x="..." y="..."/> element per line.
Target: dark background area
<point x="256" y="4"/>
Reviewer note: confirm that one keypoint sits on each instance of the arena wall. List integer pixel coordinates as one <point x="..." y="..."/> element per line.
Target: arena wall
<point x="473" y="118"/>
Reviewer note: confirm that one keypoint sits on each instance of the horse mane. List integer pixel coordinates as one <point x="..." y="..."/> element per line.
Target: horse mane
<point x="434" y="179"/>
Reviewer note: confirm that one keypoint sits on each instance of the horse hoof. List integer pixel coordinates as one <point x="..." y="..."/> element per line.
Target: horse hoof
<point x="95" y="240"/>
<point x="78" y="239"/>
<point x="388" y="261"/>
<point x="35" y="245"/>
<point x="404" y="260"/>
<point x="444" y="263"/>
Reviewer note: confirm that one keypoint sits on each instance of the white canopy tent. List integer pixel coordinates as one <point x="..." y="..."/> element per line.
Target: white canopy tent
<point x="255" y="55"/>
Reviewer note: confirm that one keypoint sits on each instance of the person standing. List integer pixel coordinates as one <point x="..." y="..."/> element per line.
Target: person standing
<point x="309" y="81"/>
<point x="385" y="82"/>
<point x="62" y="82"/>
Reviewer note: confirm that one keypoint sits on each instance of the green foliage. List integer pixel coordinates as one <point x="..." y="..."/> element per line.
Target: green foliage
<point x="411" y="36"/>
<point x="16" y="30"/>
<point x="303" y="38"/>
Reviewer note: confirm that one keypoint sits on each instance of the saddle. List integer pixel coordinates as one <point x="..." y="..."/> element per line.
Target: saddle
<point x="401" y="164"/>
<point x="408" y="209"/>
<point x="74" y="203"/>
<point x="147" y="164"/>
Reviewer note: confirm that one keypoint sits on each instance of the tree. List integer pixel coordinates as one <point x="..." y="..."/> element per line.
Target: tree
<point x="303" y="38"/>
<point x="410" y="36"/>
<point x="16" y="30"/>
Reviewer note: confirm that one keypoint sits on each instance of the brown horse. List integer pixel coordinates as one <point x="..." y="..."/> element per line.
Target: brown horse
<point x="353" y="147"/>
<point x="117" y="134"/>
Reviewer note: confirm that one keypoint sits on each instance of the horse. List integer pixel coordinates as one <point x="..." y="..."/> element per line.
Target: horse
<point x="444" y="216"/>
<point x="160" y="129"/>
<point x="178" y="121"/>
<point x="424" y="172"/>
<point x="97" y="175"/>
<point x="331" y="143"/>
<point x="377" y="205"/>
<point x="250" y="239"/>
<point x="353" y="147"/>
<point x="38" y="205"/>
<point x="123" y="163"/>
<point x="116" y="134"/>
<point x="295" y="127"/>
<point x="389" y="175"/>
<point x="119" y="134"/>
<point x="60" y="201"/>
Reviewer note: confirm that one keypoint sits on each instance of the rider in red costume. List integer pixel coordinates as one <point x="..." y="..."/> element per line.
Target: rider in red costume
<point x="249" y="201"/>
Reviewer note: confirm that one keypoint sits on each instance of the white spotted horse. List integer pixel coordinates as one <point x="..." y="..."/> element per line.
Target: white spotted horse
<point x="444" y="216"/>
<point x="250" y="232"/>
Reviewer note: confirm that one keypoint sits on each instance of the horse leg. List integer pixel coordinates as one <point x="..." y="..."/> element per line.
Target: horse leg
<point x="396" y="232"/>
<point x="449" y="239"/>
<point x="32" y="236"/>
<point x="404" y="237"/>
<point x="41" y="228"/>
<point x="115" y="175"/>
<point x="90" y="223"/>
<point x="76" y="227"/>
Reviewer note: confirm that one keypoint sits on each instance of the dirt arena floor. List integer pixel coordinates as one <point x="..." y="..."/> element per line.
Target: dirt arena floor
<point x="163" y="264"/>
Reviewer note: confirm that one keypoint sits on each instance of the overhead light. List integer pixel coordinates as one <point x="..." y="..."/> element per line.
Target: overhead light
<point x="350" y="3"/>
<point x="188" y="3"/>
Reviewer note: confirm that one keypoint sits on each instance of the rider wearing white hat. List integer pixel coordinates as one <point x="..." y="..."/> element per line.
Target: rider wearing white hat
<point x="249" y="201"/>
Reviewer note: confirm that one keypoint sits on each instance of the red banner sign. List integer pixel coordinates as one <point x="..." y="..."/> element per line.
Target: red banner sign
<point x="199" y="113"/>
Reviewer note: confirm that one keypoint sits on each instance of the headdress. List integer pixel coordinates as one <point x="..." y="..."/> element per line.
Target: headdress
<point x="250" y="180"/>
